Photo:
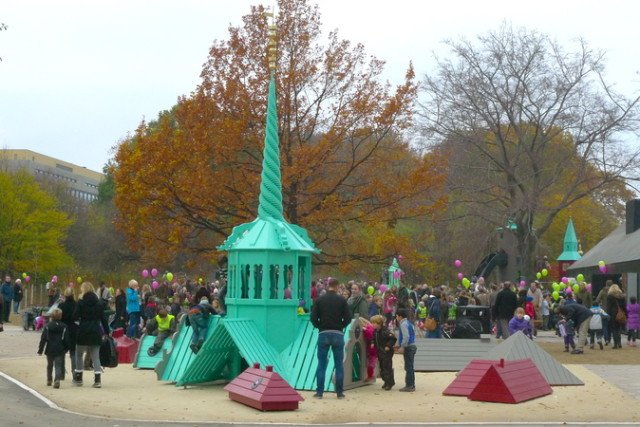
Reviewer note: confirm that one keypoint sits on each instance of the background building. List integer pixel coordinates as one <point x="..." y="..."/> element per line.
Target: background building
<point x="82" y="182"/>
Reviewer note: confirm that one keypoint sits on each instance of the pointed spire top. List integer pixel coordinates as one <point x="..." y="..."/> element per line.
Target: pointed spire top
<point x="271" y="186"/>
<point x="570" y="234"/>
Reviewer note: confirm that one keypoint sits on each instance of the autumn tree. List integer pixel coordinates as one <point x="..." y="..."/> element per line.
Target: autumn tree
<point x="532" y="128"/>
<point x="32" y="227"/>
<point x="349" y="175"/>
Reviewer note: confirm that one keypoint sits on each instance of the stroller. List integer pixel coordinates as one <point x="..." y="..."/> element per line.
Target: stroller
<point x="29" y="317"/>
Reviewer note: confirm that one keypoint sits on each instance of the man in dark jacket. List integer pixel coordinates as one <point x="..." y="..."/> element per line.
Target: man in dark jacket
<point x="7" y="295"/>
<point x="581" y="317"/>
<point x="330" y="314"/>
<point x="505" y="306"/>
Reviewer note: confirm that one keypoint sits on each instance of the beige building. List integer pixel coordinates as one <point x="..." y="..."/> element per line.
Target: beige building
<point x="82" y="182"/>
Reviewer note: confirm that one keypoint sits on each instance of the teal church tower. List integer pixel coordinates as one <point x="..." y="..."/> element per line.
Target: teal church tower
<point x="269" y="258"/>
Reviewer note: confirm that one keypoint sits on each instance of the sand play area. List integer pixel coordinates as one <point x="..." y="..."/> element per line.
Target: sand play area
<point x="130" y="393"/>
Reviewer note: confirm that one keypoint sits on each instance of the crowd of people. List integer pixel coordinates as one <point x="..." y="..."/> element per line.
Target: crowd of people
<point x="393" y="317"/>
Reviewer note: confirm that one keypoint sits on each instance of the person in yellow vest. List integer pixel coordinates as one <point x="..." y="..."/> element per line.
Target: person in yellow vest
<point x="163" y="325"/>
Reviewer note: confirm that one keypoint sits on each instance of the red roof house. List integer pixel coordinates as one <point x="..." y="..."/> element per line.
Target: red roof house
<point x="263" y="389"/>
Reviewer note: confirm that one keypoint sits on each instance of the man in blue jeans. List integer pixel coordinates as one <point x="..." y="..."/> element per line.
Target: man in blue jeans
<point x="330" y="314"/>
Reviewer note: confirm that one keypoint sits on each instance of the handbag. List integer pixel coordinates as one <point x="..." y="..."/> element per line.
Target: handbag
<point x="621" y="318"/>
<point x="430" y="324"/>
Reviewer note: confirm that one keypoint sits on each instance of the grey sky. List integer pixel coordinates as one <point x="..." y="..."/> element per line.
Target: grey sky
<point x="78" y="76"/>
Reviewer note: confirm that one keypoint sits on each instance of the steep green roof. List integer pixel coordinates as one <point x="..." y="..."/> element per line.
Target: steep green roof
<point x="570" y="246"/>
<point x="270" y="231"/>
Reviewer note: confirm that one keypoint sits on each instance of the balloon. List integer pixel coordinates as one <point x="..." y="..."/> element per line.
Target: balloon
<point x="568" y="290"/>
<point x="383" y="288"/>
<point x="154" y="284"/>
<point x="145" y="273"/>
<point x="170" y="276"/>
<point x="589" y="287"/>
<point x="555" y="295"/>
<point x="79" y="279"/>
<point x="576" y="288"/>
<point x="24" y="275"/>
<point x="555" y="286"/>
<point x="544" y="272"/>
<point x="54" y="279"/>
<point x="400" y="258"/>
<point x="538" y="275"/>
<point x="27" y="279"/>
<point x="199" y="279"/>
<point x="457" y="263"/>
<point x="460" y="276"/>
<point x="371" y="290"/>
<point x="565" y="280"/>
<point x="580" y="278"/>
<point x="601" y="263"/>
<point x="603" y="269"/>
<point x="466" y="282"/>
<point x="154" y="272"/>
<point x="523" y="283"/>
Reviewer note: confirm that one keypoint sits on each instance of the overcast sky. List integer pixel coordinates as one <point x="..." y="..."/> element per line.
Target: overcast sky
<point x="77" y="76"/>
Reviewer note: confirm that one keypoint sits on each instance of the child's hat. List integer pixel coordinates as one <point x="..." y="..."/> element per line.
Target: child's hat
<point x="529" y="298"/>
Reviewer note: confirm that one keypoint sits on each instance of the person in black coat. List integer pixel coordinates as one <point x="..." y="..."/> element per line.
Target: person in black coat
<point x="68" y="307"/>
<point x="581" y="317"/>
<point x="503" y="309"/>
<point x="54" y="342"/>
<point x="616" y="301"/>
<point x="93" y="327"/>
<point x="120" y="319"/>
<point x="330" y="314"/>
<point x="384" y="340"/>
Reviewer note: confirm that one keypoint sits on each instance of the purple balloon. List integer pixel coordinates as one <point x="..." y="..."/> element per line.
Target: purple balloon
<point x="145" y="273"/>
<point x="155" y="284"/>
<point x="460" y="276"/>
<point x="603" y="269"/>
<point x="457" y="263"/>
<point x="154" y="272"/>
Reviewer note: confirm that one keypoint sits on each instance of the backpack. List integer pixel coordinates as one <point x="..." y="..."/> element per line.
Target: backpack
<point x="108" y="353"/>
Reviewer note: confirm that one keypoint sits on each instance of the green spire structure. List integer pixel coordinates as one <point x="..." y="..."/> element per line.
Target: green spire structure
<point x="570" y="245"/>
<point x="268" y="292"/>
<point x="394" y="272"/>
<point x="271" y="187"/>
<point x="269" y="273"/>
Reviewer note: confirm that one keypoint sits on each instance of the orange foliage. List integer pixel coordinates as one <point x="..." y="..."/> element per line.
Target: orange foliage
<point x="348" y="175"/>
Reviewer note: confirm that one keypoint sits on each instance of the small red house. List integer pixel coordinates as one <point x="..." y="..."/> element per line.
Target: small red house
<point x="512" y="382"/>
<point x="264" y="390"/>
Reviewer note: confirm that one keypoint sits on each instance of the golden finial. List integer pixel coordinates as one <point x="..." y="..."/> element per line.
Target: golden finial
<point x="271" y="49"/>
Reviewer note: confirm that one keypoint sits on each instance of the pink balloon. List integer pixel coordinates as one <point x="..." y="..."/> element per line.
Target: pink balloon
<point x="383" y="288"/>
<point x="460" y="276"/>
<point x="523" y="283"/>
<point x="565" y="280"/>
<point x="589" y="287"/>
<point x="603" y="269"/>
<point x="145" y="273"/>
<point x="568" y="290"/>
<point x="154" y="284"/>
<point x="154" y="272"/>
<point x="27" y="279"/>
<point x="457" y="263"/>
<point x="54" y="279"/>
<point x="400" y="257"/>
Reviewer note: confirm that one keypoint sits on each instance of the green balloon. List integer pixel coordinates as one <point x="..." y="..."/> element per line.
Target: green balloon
<point x="575" y="287"/>
<point x="169" y="276"/>
<point x="371" y="290"/>
<point x="466" y="282"/>
<point x="555" y="286"/>
<point x="538" y="275"/>
<point x="555" y="295"/>
<point x="580" y="277"/>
